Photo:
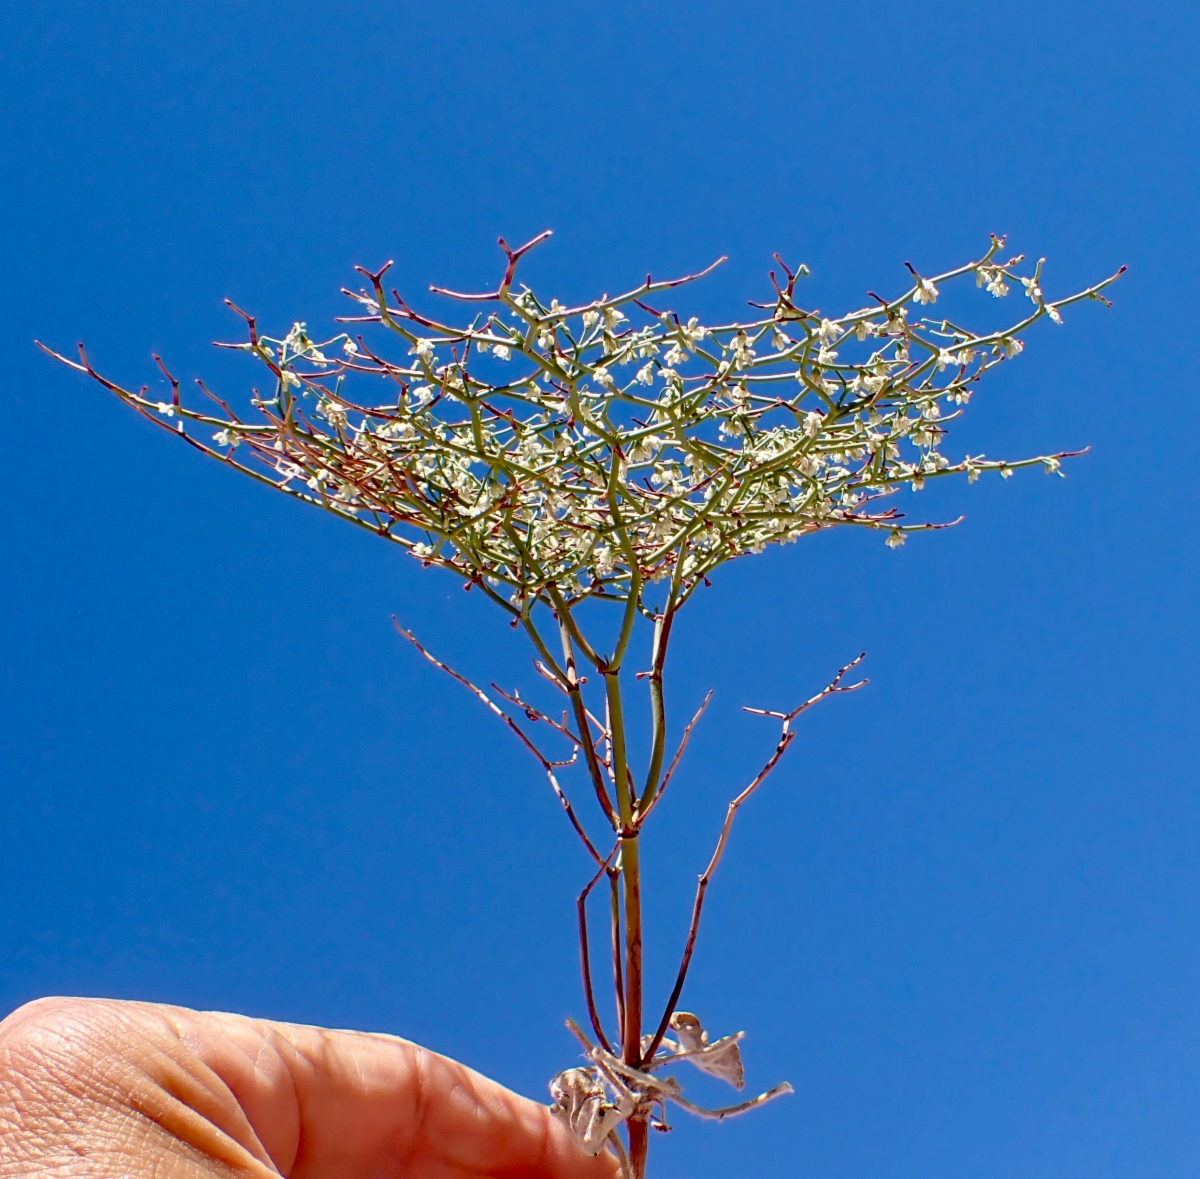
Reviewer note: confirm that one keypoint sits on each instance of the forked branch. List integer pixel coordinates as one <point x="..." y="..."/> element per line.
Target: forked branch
<point x="786" y="737"/>
<point x="546" y="764"/>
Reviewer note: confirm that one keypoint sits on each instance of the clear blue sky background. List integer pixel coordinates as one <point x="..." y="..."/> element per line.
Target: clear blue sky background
<point x="964" y="919"/>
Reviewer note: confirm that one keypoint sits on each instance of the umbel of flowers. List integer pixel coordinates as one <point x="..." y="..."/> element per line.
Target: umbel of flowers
<point x="619" y="452"/>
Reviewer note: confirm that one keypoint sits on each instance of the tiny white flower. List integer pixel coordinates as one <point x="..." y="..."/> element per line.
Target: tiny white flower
<point x="604" y="377"/>
<point x="591" y="318"/>
<point x="813" y="420"/>
<point x="895" y="539"/>
<point x="1053" y="467"/>
<point x="828" y="331"/>
<point x="423" y="351"/>
<point x="944" y="358"/>
<point x="350" y="348"/>
<point x="1032" y="289"/>
<point x="502" y="352"/>
<point x="1052" y="311"/>
<point x="421" y="550"/>
<point x="694" y="332"/>
<point x="826" y="356"/>
<point x="166" y="409"/>
<point x="1012" y="347"/>
<point x="675" y="356"/>
<point x="1006" y="472"/>
<point x="743" y="354"/>
<point x="481" y="346"/>
<point x="996" y="286"/>
<point x="612" y="317"/>
<point x="645" y="374"/>
<point x="226" y="438"/>
<point x="926" y="292"/>
<point x="864" y="329"/>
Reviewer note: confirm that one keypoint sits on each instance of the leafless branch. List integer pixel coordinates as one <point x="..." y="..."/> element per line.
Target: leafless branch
<point x="785" y="739"/>
<point x="683" y="743"/>
<point x="545" y="763"/>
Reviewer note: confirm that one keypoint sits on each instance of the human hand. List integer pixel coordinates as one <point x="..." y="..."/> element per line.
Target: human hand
<point x="106" y="1089"/>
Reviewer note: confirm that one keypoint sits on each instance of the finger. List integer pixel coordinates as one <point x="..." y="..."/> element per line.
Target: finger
<point x="311" y="1102"/>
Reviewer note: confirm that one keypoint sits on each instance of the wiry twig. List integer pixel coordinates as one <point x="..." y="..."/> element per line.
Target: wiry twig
<point x="785" y="739"/>
<point x="683" y="743"/>
<point x="585" y="954"/>
<point x="545" y="762"/>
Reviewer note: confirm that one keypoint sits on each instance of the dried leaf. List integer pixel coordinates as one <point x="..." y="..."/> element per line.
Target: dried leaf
<point x="722" y="1059"/>
<point x="582" y="1104"/>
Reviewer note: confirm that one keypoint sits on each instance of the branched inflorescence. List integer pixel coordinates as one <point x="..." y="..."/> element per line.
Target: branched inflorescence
<point x="555" y="456"/>
<point x="549" y="451"/>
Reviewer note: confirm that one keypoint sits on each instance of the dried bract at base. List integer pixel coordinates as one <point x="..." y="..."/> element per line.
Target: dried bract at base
<point x="722" y="1059"/>
<point x="582" y="1104"/>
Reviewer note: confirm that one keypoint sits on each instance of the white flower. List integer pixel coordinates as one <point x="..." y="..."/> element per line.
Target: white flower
<point x="481" y="346"/>
<point x="926" y="292"/>
<point x="813" y="421"/>
<point x="694" y="332"/>
<point x="781" y="340"/>
<point x="644" y="448"/>
<point x="828" y="331"/>
<point x="826" y="356"/>
<point x="603" y="561"/>
<point x="289" y="379"/>
<point x="895" y="539"/>
<point x="591" y="318"/>
<point x="350" y="348"/>
<point x="1053" y="467"/>
<point x="645" y="374"/>
<point x="1052" y="311"/>
<point x="166" y="410"/>
<point x="944" y="358"/>
<point x="423" y="351"/>
<point x="502" y="352"/>
<point x="612" y="317"/>
<point x="675" y="356"/>
<point x="1006" y="472"/>
<point x="864" y="329"/>
<point x="421" y="550"/>
<point x="421" y="394"/>
<point x="1032" y="289"/>
<point x="1011" y="346"/>
<point x="226" y="438"/>
<point x="604" y="377"/>
<point x="743" y="354"/>
<point x="996" y="286"/>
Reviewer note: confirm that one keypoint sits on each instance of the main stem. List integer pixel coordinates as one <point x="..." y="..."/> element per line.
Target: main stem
<point x="631" y="882"/>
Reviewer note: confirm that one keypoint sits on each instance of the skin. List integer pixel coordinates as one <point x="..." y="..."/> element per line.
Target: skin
<point x="99" y="1088"/>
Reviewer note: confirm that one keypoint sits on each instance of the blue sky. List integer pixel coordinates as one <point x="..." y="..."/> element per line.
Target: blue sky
<point x="963" y="919"/>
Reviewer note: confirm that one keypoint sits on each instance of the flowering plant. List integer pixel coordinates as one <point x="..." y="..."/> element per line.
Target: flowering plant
<point x="614" y="452"/>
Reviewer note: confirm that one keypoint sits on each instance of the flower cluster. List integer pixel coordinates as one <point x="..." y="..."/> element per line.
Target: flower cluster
<point x="553" y="453"/>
